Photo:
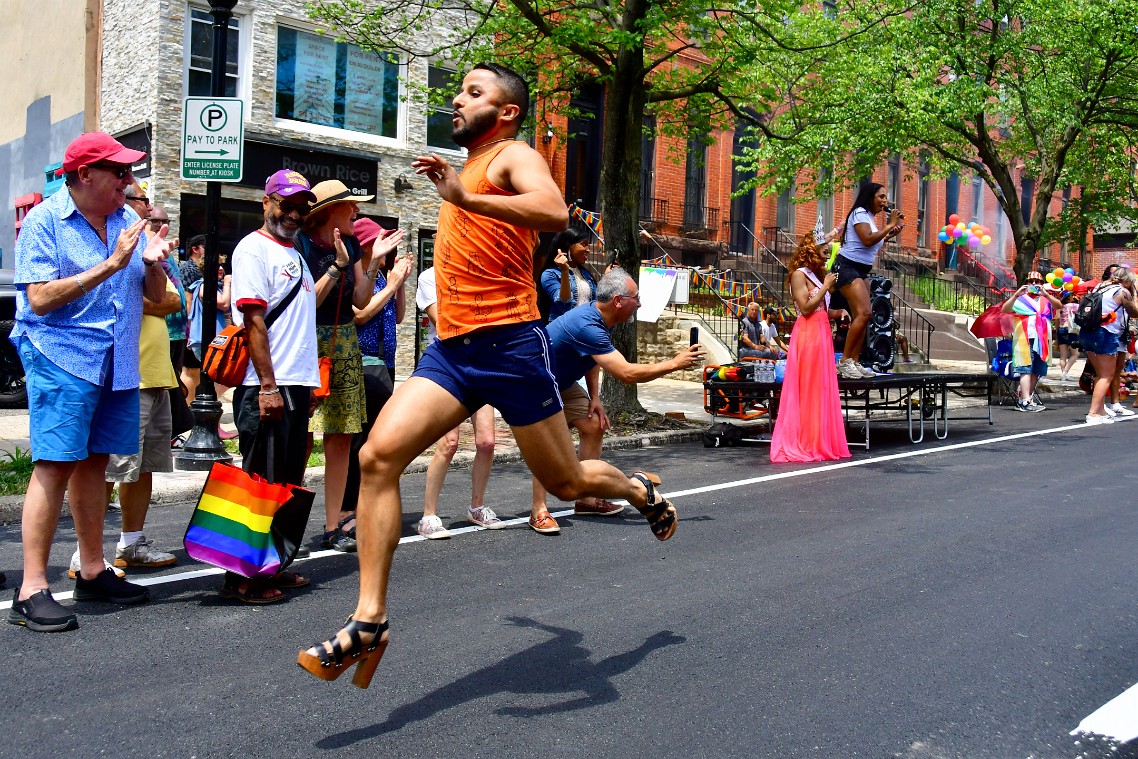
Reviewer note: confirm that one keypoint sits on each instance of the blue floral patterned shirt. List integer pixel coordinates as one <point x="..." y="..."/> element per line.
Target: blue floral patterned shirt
<point x="56" y="242"/>
<point x="369" y="333"/>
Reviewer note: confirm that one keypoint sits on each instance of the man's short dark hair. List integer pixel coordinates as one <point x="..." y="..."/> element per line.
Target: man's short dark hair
<point x="513" y="85"/>
<point x="769" y="311"/>
<point x="196" y="241"/>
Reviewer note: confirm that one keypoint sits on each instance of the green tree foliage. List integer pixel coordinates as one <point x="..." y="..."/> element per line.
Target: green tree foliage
<point x="997" y="88"/>
<point x="693" y="64"/>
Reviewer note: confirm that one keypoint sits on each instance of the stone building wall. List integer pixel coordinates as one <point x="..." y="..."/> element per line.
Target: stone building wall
<point x="670" y="335"/>
<point x="145" y="60"/>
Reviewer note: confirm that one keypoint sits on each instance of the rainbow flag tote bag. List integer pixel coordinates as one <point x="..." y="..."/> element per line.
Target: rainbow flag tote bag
<point x="246" y="524"/>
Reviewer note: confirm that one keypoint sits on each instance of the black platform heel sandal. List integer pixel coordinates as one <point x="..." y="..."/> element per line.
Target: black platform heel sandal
<point x="659" y="511"/>
<point x="331" y="660"/>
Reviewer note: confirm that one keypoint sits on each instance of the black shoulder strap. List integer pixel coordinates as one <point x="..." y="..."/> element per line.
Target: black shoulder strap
<point x="272" y="317"/>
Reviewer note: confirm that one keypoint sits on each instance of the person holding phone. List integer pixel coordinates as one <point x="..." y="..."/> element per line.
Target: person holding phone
<point x="1033" y="308"/>
<point x="810" y="426"/>
<point x="566" y="281"/>
<point x="861" y="242"/>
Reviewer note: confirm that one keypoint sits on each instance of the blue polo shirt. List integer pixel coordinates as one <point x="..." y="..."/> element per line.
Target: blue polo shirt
<point x="56" y="242"/>
<point x="576" y="337"/>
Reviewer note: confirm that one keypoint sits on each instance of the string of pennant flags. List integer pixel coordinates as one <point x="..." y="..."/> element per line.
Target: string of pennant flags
<point x="736" y="295"/>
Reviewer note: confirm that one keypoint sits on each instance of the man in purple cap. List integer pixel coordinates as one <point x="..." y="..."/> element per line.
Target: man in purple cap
<point x="81" y="272"/>
<point x="273" y="296"/>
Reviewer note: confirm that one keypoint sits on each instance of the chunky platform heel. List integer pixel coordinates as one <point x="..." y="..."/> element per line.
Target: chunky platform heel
<point x="332" y="660"/>
<point x="659" y="511"/>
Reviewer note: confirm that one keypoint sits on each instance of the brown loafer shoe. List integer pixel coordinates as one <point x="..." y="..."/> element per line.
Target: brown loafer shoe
<point x="601" y="508"/>
<point x="545" y="524"/>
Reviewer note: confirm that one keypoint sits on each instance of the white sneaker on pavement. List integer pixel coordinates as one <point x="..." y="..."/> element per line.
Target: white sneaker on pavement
<point x="432" y="528"/>
<point x="1093" y="419"/>
<point x="140" y="553"/>
<point x="484" y="516"/>
<point x="1120" y="410"/>
<point x="73" y="570"/>
<point x="1109" y="412"/>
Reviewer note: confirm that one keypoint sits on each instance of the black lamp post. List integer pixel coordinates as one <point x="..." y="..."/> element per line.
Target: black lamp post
<point x="204" y="447"/>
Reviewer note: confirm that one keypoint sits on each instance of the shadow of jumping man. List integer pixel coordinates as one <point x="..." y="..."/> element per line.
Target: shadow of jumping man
<point x="560" y="665"/>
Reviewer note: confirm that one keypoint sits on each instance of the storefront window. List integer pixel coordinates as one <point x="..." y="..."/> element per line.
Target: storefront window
<point x="336" y="84"/>
<point x="439" y="110"/>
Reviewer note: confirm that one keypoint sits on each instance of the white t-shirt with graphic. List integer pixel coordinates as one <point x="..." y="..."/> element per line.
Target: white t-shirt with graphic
<point x="264" y="272"/>
<point x="425" y="297"/>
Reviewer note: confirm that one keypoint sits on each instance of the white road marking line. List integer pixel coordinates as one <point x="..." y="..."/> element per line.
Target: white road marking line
<point x="1116" y="719"/>
<point x="193" y="574"/>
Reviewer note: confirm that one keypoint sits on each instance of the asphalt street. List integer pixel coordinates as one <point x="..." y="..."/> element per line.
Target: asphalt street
<point x="974" y="600"/>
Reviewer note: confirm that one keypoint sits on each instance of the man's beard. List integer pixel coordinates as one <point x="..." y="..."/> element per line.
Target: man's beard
<point x="279" y="230"/>
<point x="469" y="131"/>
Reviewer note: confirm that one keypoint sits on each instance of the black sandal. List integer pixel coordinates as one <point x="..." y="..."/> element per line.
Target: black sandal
<point x="659" y="511"/>
<point x="331" y="660"/>
<point x="349" y="518"/>
<point x="288" y="580"/>
<point x="254" y="592"/>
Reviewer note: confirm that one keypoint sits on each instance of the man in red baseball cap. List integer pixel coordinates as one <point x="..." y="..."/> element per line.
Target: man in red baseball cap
<point x="96" y="148"/>
<point x="82" y="268"/>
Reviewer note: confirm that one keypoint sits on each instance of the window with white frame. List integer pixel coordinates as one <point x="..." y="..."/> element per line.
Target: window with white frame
<point x="894" y="191"/>
<point x="199" y="54"/>
<point x="977" y="199"/>
<point x="826" y="203"/>
<point x="336" y="84"/>
<point x="442" y="87"/>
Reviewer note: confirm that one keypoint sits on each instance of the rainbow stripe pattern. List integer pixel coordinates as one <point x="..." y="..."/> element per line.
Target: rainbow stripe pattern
<point x="231" y="526"/>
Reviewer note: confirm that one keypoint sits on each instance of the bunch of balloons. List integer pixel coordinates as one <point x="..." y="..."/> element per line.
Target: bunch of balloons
<point x="1063" y="279"/>
<point x="956" y="232"/>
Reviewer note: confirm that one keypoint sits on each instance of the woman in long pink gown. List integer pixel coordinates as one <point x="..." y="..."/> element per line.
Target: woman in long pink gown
<point x="810" y="426"/>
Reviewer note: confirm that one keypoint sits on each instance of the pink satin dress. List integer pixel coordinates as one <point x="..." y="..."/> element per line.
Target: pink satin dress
<point x="810" y="426"/>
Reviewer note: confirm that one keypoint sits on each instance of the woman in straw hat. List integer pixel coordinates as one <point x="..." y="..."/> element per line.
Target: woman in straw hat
<point x="340" y="267"/>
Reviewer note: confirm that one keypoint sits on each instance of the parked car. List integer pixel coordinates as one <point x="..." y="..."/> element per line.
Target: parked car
<point x="13" y="393"/>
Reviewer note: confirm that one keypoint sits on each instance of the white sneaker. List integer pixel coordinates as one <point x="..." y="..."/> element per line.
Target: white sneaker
<point x="73" y="570"/>
<point x="432" y="528"/>
<point x="1120" y="410"/>
<point x="849" y="370"/>
<point x="484" y="516"/>
<point x="1109" y="412"/>
<point x="866" y="372"/>
<point x="1098" y="419"/>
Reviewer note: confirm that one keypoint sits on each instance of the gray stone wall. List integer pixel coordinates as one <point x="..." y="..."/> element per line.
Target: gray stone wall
<point x="144" y="63"/>
<point x="670" y="335"/>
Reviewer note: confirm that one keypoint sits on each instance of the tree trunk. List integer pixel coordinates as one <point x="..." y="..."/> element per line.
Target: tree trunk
<point x="620" y="209"/>
<point x="1025" y="258"/>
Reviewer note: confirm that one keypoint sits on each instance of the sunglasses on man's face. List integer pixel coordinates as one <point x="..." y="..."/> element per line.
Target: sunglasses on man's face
<point x="119" y="171"/>
<point x="301" y="209"/>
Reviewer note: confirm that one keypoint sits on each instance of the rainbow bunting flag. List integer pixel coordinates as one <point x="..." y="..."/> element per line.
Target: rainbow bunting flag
<point x="245" y="524"/>
<point x="590" y="219"/>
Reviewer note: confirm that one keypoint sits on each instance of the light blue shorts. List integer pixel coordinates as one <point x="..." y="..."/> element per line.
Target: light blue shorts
<point x="70" y="418"/>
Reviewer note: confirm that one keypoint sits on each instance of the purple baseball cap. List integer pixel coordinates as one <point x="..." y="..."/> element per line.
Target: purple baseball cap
<point x="286" y="183"/>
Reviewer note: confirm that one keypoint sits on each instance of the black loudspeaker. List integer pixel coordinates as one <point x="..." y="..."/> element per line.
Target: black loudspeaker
<point x="880" y="346"/>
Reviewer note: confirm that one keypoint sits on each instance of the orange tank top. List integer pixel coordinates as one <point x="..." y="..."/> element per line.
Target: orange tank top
<point x="483" y="267"/>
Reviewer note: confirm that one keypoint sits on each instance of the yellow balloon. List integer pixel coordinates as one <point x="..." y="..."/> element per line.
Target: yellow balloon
<point x="985" y="239"/>
<point x="961" y="226"/>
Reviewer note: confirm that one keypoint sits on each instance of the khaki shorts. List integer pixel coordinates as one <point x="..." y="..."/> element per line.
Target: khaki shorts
<point x="576" y="402"/>
<point x="155" y="429"/>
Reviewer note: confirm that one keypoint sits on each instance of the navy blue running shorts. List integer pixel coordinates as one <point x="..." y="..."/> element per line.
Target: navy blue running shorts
<point x="508" y="367"/>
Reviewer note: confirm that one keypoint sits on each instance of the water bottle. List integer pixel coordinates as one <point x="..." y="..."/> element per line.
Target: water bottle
<point x="780" y="370"/>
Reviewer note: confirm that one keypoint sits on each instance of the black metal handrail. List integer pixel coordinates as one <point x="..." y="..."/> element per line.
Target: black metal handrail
<point x="916" y="327"/>
<point x="654" y="210"/>
<point x="700" y="218"/>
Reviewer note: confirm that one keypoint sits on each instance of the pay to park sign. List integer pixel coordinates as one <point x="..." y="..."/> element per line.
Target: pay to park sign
<point x="213" y="138"/>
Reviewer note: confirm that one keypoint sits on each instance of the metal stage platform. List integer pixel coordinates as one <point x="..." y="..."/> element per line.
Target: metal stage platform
<point x="918" y="399"/>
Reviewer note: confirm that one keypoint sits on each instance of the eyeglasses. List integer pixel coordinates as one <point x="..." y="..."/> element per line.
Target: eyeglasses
<point x="122" y="172"/>
<point x="139" y="198"/>
<point x="158" y="222"/>
<point x="301" y="209"/>
<point x="1035" y="281"/>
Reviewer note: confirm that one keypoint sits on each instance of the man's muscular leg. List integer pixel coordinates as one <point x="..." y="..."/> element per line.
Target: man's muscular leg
<point x="548" y="451"/>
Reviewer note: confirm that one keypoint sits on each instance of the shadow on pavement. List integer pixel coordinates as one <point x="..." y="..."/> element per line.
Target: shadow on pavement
<point x="561" y="665"/>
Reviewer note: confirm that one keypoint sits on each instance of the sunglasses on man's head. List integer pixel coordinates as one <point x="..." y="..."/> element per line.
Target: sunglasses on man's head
<point x="119" y="171"/>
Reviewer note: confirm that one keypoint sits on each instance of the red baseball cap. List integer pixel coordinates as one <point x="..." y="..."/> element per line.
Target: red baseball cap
<point x="367" y="231"/>
<point x="96" y="147"/>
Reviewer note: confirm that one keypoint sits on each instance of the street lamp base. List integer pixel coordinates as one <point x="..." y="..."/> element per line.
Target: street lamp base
<point x="204" y="447"/>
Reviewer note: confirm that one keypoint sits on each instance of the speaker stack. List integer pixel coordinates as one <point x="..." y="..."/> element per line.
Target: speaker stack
<point x="880" y="346"/>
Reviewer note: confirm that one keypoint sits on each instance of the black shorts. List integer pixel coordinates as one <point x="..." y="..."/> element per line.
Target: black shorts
<point x="191" y="359"/>
<point x="849" y="270"/>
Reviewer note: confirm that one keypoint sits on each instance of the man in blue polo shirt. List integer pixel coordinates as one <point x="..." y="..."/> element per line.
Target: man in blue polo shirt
<point x="582" y="346"/>
<point x="81" y="271"/>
